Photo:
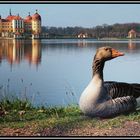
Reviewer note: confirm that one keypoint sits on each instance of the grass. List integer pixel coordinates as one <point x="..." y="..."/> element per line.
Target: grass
<point x="21" y="114"/>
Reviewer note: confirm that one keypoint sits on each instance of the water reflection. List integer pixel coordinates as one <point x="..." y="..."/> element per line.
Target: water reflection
<point x="131" y="45"/>
<point x="15" y="51"/>
<point x="82" y="43"/>
<point x="68" y="68"/>
<point x="33" y="55"/>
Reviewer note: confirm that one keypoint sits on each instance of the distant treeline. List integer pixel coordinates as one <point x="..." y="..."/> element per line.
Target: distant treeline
<point x="102" y="31"/>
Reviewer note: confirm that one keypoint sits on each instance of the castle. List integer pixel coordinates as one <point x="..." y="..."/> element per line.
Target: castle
<point x="14" y="26"/>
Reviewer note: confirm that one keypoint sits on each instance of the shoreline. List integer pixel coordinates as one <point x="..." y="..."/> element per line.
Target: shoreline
<point x="21" y="118"/>
<point x="103" y="39"/>
<point x="68" y="121"/>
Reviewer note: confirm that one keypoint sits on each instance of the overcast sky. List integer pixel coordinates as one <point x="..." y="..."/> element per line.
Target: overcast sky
<point x="85" y="15"/>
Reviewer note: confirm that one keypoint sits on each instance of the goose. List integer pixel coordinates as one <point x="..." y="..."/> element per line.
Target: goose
<point x="108" y="98"/>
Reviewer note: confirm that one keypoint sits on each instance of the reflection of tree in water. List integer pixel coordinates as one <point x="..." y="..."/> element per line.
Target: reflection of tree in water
<point x="15" y="51"/>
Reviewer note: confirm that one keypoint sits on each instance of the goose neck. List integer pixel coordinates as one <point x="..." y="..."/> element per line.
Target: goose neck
<point x="97" y="68"/>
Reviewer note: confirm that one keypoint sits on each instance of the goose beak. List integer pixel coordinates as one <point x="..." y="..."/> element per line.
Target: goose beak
<point x="116" y="53"/>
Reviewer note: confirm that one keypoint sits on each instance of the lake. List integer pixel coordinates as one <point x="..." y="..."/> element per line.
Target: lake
<point x="54" y="72"/>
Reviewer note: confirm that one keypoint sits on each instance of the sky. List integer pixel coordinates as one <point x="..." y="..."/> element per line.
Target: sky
<point x="84" y="15"/>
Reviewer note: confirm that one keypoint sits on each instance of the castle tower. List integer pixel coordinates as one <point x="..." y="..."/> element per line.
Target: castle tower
<point x="28" y="24"/>
<point x="18" y="26"/>
<point x="36" y="25"/>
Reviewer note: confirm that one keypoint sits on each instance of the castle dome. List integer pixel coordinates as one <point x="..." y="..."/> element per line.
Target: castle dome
<point x="17" y="17"/>
<point x="28" y="18"/>
<point x="10" y="17"/>
<point x="36" y="16"/>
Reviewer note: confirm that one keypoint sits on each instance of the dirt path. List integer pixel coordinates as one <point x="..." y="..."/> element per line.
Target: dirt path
<point x="130" y="128"/>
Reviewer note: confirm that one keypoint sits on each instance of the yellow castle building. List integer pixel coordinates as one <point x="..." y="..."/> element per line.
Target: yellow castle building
<point x="14" y="26"/>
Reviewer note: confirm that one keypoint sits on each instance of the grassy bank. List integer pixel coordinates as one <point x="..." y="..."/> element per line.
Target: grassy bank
<point x="21" y="115"/>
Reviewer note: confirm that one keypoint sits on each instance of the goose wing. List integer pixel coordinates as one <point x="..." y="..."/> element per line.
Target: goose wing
<point x="120" y="89"/>
<point x="123" y="99"/>
<point x="116" y="106"/>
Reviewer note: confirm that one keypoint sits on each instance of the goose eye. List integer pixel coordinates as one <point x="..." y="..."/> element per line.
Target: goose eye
<point x="106" y="49"/>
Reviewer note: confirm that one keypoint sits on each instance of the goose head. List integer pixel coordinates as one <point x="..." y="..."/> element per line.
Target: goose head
<point x="107" y="53"/>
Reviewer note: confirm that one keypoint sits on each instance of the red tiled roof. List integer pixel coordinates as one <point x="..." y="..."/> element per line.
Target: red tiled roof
<point x="13" y="17"/>
<point x="132" y="31"/>
<point x="10" y="18"/>
<point x="28" y="18"/>
<point x="17" y="17"/>
<point x="36" y="16"/>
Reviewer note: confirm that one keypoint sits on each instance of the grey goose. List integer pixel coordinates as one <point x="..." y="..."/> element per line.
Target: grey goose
<point x="108" y="98"/>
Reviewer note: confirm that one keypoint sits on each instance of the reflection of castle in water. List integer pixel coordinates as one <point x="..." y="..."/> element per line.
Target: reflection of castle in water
<point x="82" y="43"/>
<point x="15" y="51"/>
<point x="131" y="45"/>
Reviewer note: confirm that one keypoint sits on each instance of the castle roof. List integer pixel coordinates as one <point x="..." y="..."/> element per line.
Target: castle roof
<point x="13" y="17"/>
<point x="28" y="18"/>
<point x="36" y="16"/>
<point x="132" y="31"/>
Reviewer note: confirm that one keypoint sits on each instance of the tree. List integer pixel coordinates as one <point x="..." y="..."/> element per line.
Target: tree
<point x="117" y="30"/>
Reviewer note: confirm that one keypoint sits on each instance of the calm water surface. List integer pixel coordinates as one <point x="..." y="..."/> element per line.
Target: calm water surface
<point x="55" y="72"/>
